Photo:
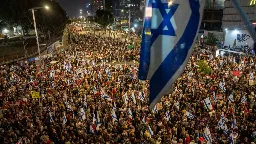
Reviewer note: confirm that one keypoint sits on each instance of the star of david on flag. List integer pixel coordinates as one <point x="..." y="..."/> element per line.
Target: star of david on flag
<point x="169" y="31"/>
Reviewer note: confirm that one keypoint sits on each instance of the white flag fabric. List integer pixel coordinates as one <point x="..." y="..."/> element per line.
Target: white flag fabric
<point x="82" y="114"/>
<point x="208" y="104"/>
<point x="167" y="115"/>
<point x="244" y="99"/>
<point x="207" y="135"/>
<point x="214" y="97"/>
<point x="129" y="113"/>
<point x="141" y="97"/>
<point x="233" y="126"/>
<point x="231" y="98"/>
<point x="169" y="31"/>
<point x="64" y="119"/>
<point x="150" y="131"/>
<point x="51" y="118"/>
<point x="144" y="119"/>
<point x="113" y="114"/>
<point x="98" y="124"/>
<point x="190" y="115"/>
<point x="133" y="98"/>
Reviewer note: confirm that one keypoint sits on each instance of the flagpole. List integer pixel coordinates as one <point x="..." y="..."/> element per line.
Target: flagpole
<point x="246" y="20"/>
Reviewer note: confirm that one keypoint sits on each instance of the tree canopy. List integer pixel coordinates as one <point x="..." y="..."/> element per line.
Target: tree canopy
<point x="104" y="17"/>
<point x="18" y="13"/>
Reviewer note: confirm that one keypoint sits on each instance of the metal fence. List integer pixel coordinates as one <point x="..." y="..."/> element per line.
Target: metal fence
<point x="16" y="56"/>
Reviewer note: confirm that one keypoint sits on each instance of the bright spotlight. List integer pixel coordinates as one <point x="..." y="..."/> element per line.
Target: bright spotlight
<point x="46" y="7"/>
<point x="226" y="29"/>
<point x="135" y="25"/>
<point x="5" y="31"/>
<point x="170" y="3"/>
<point x="235" y="31"/>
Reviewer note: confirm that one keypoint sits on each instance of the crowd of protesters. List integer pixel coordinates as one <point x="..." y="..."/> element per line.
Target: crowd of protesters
<point x="90" y="93"/>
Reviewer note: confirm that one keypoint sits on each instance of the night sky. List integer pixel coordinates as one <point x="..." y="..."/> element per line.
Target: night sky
<point x="72" y="7"/>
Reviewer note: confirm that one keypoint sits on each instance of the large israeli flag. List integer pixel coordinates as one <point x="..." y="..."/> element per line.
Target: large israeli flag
<point x="170" y="29"/>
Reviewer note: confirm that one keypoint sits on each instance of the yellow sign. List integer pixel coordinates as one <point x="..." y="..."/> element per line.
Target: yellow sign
<point x="35" y="94"/>
<point x="253" y="2"/>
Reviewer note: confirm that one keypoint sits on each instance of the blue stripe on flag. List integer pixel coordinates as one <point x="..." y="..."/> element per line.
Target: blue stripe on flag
<point x="176" y="59"/>
<point x="145" y="46"/>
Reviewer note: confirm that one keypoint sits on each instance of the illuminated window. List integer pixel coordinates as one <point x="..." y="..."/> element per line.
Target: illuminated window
<point x="253" y="2"/>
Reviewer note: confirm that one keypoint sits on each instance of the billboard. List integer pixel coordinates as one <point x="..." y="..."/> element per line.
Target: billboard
<point x="242" y="38"/>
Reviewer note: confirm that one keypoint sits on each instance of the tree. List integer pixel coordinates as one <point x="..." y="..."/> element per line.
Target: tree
<point x="17" y="13"/>
<point x="204" y="67"/>
<point x="104" y="17"/>
<point x="211" y="39"/>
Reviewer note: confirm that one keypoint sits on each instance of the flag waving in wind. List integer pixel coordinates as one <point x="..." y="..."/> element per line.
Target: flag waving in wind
<point x="170" y="29"/>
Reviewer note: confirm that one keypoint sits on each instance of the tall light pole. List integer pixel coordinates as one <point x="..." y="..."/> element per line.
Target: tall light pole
<point x="34" y="19"/>
<point x="129" y="18"/>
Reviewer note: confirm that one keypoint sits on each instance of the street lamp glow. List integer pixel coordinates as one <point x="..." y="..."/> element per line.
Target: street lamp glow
<point x="122" y="10"/>
<point x="135" y="25"/>
<point x="5" y="31"/>
<point x="81" y="10"/>
<point x="226" y="29"/>
<point x="170" y="3"/>
<point x="46" y="7"/>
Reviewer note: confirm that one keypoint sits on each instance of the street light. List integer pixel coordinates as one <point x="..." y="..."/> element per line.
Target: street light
<point x="34" y="19"/>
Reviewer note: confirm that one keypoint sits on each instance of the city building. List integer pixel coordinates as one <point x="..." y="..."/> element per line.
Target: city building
<point x="235" y="29"/>
<point x="212" y="19"/>
<point x="95" y="5"/>
<point x="125" y="9"/>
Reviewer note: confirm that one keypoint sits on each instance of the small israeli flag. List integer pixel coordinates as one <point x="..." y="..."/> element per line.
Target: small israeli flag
<point x="82" y="114"/>
<point x="64" y="119"/>
<point x="94" y="90"/>
<point x="114" y="107"/>
<point x="214" y="97"/>
<point x="141" y="97"/>
<point x="169" y="31"/>
<point x="220" y="125"/>
<point x="51" y="118"/>
<point x="233" y="126"/>
<point x="68" y="106"/>
<point x="208" y="104"/>
<point x="177" y="104"/>
<point x="154" y="110"/>
<point x="106" y="97"/>
<point x="222" y="86"/>
<point x="244" y="99"/>
<point x="94" y="120"/>
<point x="133" y="98"/>
<point x="190" y="115"/>
<point x="150" y="130"/>
<point x="251" y="76"/>
<point x="231" y="98"/>
<point x="125" y="98"/>
<point x="113" y="114"/>
<point x="130" y="113"/>
<point x="232" y="141"/>
<point x="222" y="117"/>
<point x="225" y="130"/>
<point x="167" y="116"/>
<point x="98" y="124"/>
<point x="144" y="119"/>
<point x="207" y="135"/>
